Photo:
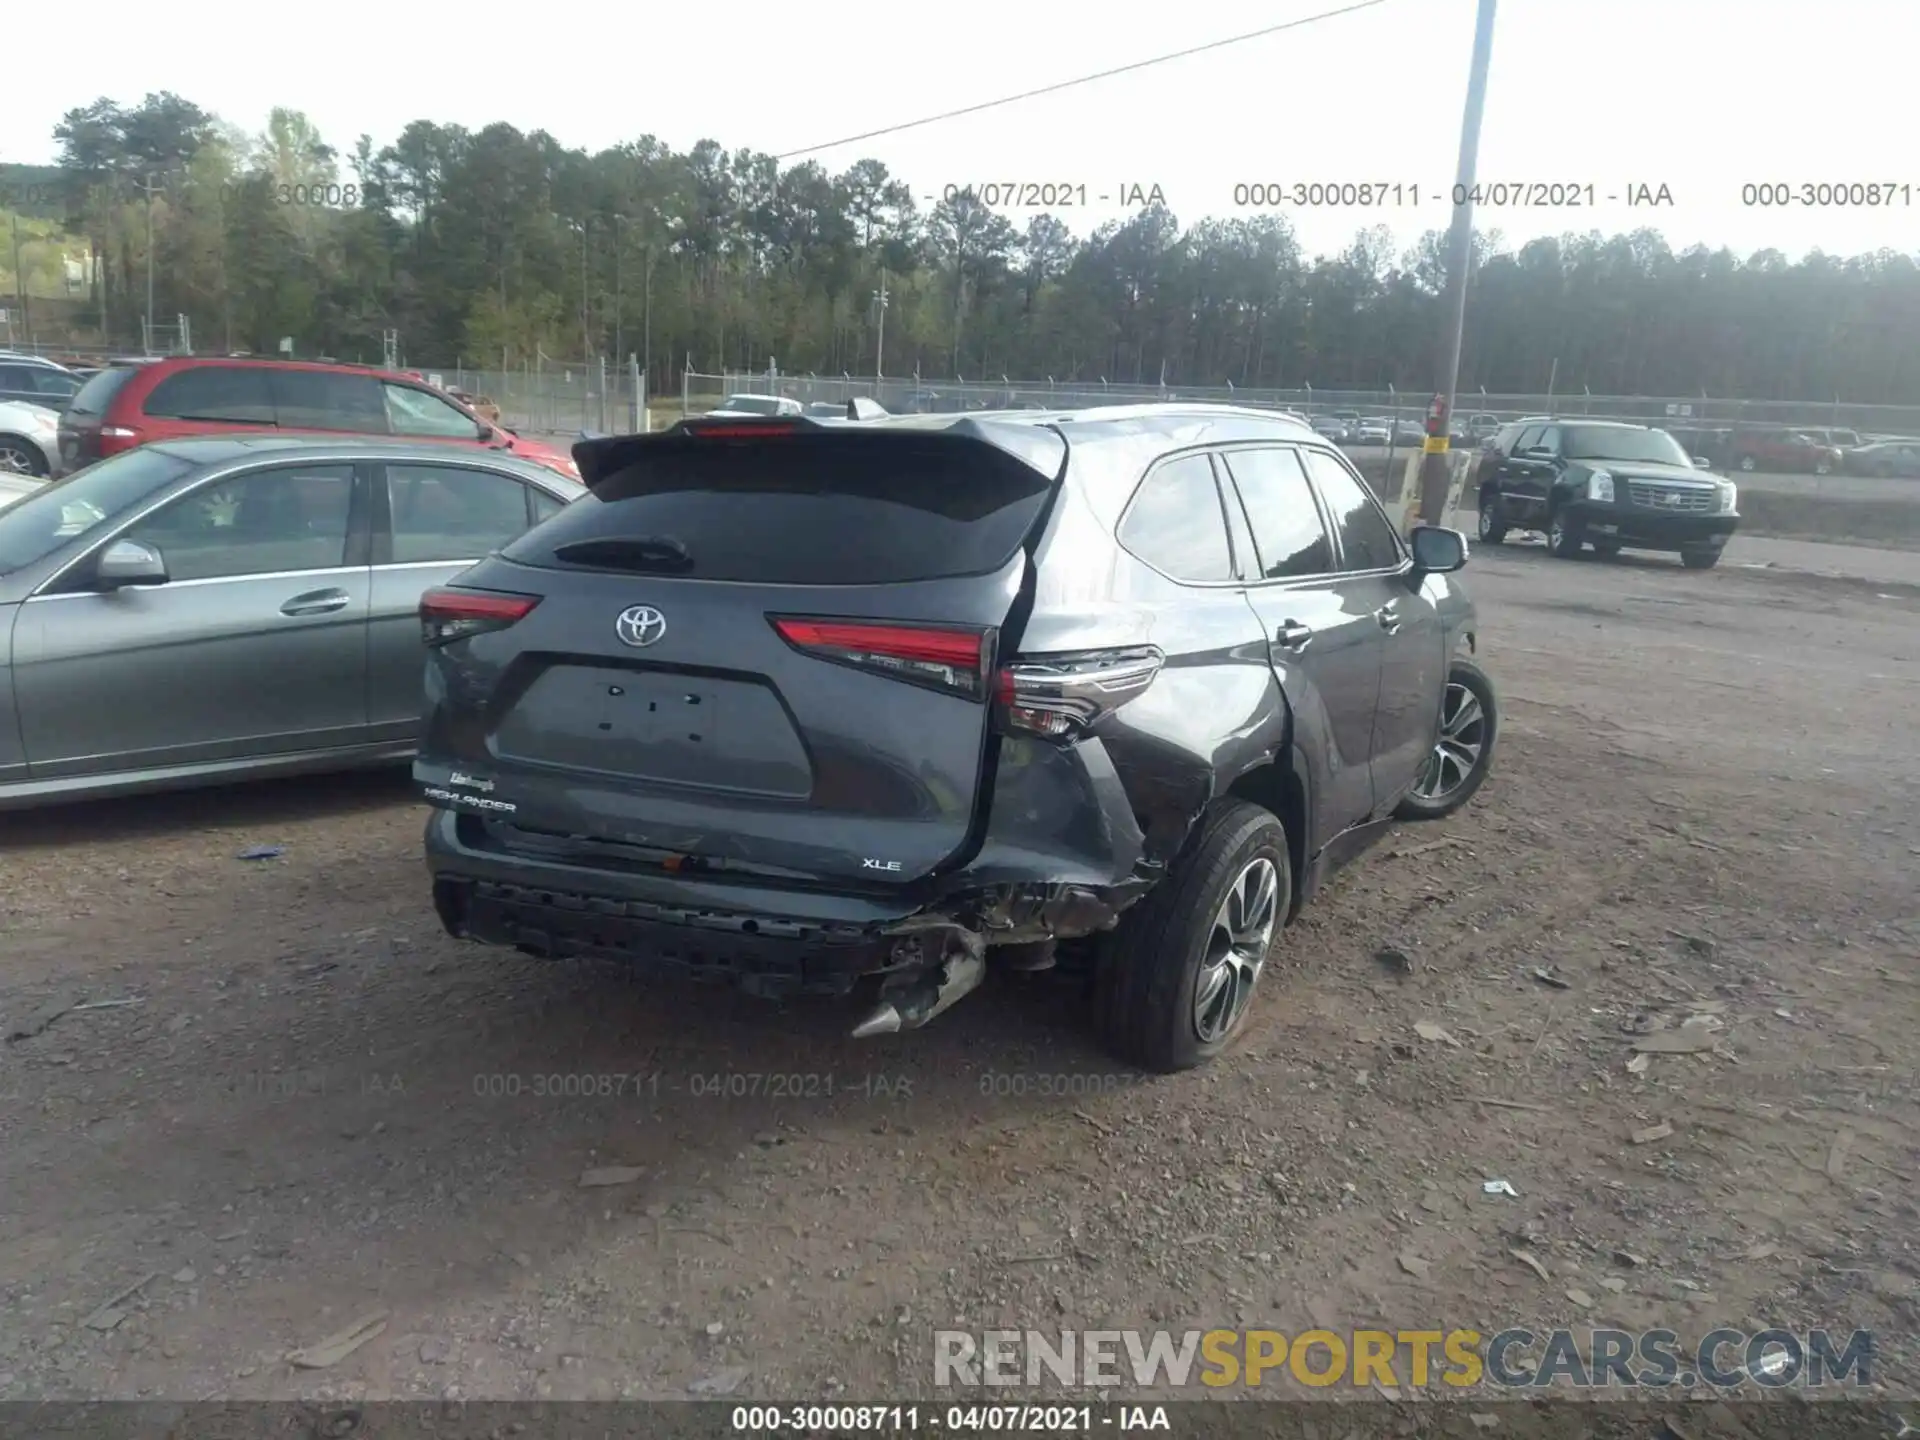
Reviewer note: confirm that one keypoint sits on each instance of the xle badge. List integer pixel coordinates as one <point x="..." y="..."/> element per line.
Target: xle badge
<point x="889" y="865"/>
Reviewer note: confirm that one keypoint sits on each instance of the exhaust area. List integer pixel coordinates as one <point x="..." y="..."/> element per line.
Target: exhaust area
<point x="914" y="997"/>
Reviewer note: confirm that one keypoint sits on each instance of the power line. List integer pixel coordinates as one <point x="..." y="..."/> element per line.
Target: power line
<point x="1082" y="80"/>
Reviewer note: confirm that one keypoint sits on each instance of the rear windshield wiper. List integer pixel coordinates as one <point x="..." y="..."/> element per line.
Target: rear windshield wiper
<point x="628" y="552"/>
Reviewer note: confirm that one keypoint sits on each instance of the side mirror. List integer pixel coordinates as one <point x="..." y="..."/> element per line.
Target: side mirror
<point x="1700" y="462"/>
<point x="126" y="562"/>
<point x="1438" y="551"/>
<point x="487" y="432"/>
<point x="1536" y="452"/>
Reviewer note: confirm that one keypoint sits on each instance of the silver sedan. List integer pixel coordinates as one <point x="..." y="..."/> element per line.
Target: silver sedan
<point x="29" y="439"/>
<point x="196" y="611"/>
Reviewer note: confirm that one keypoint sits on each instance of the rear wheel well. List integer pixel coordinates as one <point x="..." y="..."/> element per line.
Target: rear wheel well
<point x="1275" y="788"/>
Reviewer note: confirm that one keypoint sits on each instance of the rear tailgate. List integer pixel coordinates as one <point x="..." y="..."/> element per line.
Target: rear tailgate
<point x="770" y="647"/>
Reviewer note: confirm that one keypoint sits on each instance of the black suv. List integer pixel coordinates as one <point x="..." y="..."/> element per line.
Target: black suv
<point x="1606" y="483"/>
<point x="813" y="704"/>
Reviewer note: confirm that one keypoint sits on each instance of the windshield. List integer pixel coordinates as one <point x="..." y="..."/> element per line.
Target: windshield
<point x="33" y="528"/>
<point x="1598" y="442"/>
<point x="752" y="404"/>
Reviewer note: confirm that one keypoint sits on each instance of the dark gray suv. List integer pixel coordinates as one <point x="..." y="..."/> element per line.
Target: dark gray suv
<point x="819" y="705"/>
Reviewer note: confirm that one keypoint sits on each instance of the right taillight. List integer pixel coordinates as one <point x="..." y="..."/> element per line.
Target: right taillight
<point x="447" y="615"/>
<point x="1060" y="696"/>
<point x="939" y="657"/>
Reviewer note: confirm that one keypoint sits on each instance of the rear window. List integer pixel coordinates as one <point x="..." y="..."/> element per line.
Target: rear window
<point x="94" y="396"/>
<point x="807" y="510"/>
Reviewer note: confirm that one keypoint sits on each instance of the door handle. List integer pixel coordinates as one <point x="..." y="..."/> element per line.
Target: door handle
<point x="1389" y="618"/>
<point x="1294" y="636"/>
<point x="317" y="602"/>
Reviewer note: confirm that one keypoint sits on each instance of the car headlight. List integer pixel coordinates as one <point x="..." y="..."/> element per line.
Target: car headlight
<point x="1600" y="486"/>
<point x="1729" y="497"/>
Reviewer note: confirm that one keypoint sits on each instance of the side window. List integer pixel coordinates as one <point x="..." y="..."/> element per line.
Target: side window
<point x="323" y="400"/>
<point x="417" y="412"/>
<point x="1526" y="439"/>
<point x="231" y="393"/>
<point x="452" y="512"/>
<point x="1367" y="541"/>
<point x="1175" y="523"/>
<point x="544" y="505"/>
<point x="52" y="382"/>
<point x="15" y="379"/>
<point x="1550" y="439"/>
<point x="292" y="517"/>
<point x="1287" y="529"/>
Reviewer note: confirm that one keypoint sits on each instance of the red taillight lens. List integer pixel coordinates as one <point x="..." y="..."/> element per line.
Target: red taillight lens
<point x="449" y="615"/>
<point x="1059" y="696"/>
<point x="942" y="657"/>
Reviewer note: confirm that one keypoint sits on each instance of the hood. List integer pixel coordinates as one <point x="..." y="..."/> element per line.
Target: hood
<point x="1650" y="470"/>
<point x="554" y="458"/>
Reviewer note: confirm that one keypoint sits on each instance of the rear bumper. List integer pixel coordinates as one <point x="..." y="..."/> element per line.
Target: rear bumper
<point x="768" y="942"/>
<point x="1649" y="530"/>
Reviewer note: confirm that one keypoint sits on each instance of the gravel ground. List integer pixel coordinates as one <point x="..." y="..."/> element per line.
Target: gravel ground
<point x="315" y="1107"/>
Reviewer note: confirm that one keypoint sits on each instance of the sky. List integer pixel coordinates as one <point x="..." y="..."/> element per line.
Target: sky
<point x="1702" y="97"/>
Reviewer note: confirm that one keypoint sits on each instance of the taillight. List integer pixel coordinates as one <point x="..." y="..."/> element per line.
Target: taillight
<point x="752" y="430"/>
<point x="118" y="432"/>
<point x="449" y="615"/>
<point x="940" y="657"/>
<point x="1060" y="696"/>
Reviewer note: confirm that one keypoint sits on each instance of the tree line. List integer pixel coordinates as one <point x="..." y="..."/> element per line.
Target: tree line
<point x="495" y="247"/>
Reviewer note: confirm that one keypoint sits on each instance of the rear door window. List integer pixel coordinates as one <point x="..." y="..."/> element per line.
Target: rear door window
<point x="1176" y="524"/>
<point x="452" y="512"/>
<point x="871" y="509"/>
<point x="329" y="400"/>
<point x="227" y="394"/>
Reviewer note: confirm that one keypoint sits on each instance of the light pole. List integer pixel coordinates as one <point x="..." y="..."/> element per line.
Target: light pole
<point x="880" y="344"/>
<point x="149" y="186"/>
<point x="619" y="332"/>
<point x="1435" y="467"/>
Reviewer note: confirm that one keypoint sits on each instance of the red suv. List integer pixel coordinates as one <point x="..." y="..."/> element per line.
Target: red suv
<point x="128" y="405"/>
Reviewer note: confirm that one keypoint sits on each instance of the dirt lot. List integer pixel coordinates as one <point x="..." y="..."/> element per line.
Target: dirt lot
<point x="1707" y="804"/>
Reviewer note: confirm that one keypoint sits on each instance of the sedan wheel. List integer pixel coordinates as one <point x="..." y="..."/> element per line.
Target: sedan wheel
<point x="17" y="458"/>
<point x="1747" y="462"/>
<point x="1236" y="949"/>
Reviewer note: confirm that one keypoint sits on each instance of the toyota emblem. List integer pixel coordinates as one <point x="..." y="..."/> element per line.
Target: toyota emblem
<point x="640" y="625"/>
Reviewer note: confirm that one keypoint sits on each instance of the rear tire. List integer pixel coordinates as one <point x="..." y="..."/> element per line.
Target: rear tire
<point x="1202" y="922"/>
<point x="1463" y="751"/>
<point x="1493" y="526"/>
<point x="1747" y="462"/>
<point x="1699" y="559"/>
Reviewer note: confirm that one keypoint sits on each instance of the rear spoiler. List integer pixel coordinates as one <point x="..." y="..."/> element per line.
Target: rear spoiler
<point x="1039" y="447"/>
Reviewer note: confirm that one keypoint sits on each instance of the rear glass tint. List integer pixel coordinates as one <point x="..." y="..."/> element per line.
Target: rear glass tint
<point x="810" y="510"/>
<point x="94" y="396"/>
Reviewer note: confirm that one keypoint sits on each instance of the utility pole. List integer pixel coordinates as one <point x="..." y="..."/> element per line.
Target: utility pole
<point x="880" y="345"/>
<point x="1435" y="466"/>
<point x="646" y="318"/>
<point x="149" y="187"/>
<point x="619" y="334"/>
<point x="20" y="281"/>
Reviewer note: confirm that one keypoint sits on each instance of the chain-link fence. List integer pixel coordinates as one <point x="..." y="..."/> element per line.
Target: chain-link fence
<point x="556" y="397"/>
<point x="912" y="394"/>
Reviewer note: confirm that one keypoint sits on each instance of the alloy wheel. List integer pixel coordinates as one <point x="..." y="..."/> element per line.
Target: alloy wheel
<point x="1486" y="519"/>
<point x="1237" y="944"/>
<point x="1462" y="740"/>
<point x="16" y="461"/>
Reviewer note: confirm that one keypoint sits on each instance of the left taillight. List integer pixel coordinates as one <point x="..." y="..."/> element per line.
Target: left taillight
<point x="447" y="615"/>
<point x="1059" y="697"/>
<point x="948" y="658"/>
